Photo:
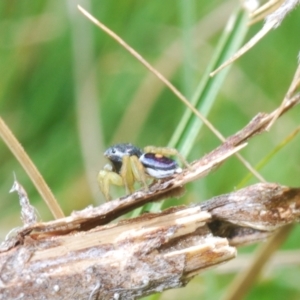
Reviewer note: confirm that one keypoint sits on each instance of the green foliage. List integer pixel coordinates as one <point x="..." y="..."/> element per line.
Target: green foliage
<point x="46" y="63"/>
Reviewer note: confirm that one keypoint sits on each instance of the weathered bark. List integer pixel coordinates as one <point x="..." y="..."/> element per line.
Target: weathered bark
<point x="140" y="256"/>
<point x="133" y="258"/>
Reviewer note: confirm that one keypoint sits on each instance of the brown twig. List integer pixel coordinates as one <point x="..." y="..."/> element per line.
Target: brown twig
<point x="91" y="217"/>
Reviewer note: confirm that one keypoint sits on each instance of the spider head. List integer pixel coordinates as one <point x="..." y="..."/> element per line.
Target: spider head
<point x="116" y="152"/>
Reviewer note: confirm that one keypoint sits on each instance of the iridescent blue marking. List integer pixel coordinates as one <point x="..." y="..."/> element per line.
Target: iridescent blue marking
<point x="159" y="166"/>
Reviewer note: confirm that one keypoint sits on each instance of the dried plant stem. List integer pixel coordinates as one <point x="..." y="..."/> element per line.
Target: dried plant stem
<point x="273" y="20"/>
<point x="280" y="259"/>
<point x="265" y="10"/>
<point x="169" y="62"/>
<point x="31" y="170"/>
<point x="292" y="89"/>
<point x="250" y="168"/>
<point x="153" y="70"/>
<point x="246" y="47"/>
<point x="169" y="85"/>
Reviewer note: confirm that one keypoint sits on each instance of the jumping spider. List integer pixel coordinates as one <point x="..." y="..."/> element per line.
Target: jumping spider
<point x="130" y="164"/>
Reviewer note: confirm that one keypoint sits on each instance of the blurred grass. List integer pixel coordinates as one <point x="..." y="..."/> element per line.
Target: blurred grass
<point x="39" y="100"/>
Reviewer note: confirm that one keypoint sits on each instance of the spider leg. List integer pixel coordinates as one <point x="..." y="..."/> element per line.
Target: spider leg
<point x="127" y="174"/>
<point x="106" y="178"/>
<point x="138" y="171"/>
<point x="165" y="151"/>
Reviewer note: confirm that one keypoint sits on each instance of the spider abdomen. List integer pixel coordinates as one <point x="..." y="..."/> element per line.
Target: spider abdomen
<point x="159" y="166"/>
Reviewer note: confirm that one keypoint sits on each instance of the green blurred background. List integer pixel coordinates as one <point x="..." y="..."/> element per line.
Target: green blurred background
<point x="68" y="91"/>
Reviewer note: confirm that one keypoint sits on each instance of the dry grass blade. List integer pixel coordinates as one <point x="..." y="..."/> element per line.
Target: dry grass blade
<point x="264" y="10"/>
<point x="269" y="156"/>
<point x="169" y="62"/>
<point x="273" y="20"/>
<point x="246" y="47"/>
<point x="292" y="90"/>
<point x="153" y="70"/>
<point x="280" y="259"/>
<point x="244" y="281"/>
<point x="29" y="167"/>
